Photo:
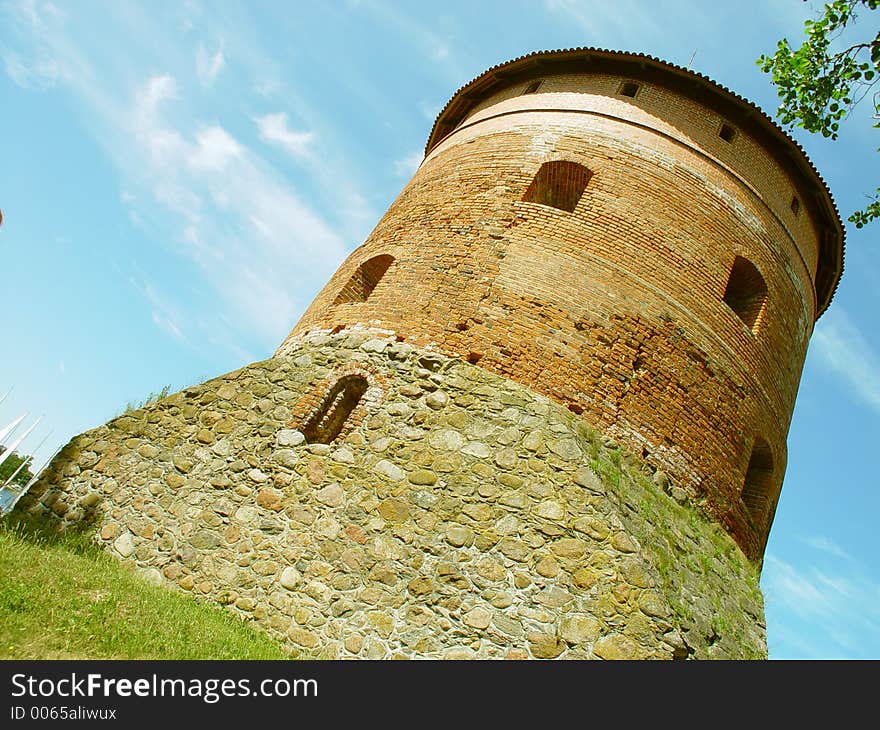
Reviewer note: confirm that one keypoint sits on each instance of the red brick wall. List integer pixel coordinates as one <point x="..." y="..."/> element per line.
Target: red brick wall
<point x="615" y="309"/>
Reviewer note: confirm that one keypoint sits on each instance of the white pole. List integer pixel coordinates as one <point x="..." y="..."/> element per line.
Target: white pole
<point x="10" y="427"/>
<point x="15" y="473"/>
<point x="31" y="482"/>
<point x="24" y="462"/>
<point x="6" y="454"/>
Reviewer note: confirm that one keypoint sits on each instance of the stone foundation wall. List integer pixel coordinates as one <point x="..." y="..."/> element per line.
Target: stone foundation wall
<point x="462" y="515"/>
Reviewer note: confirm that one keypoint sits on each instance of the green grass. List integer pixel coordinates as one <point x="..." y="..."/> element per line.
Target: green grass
<point x="63" y="598"/>
<point x="151" y="398"/>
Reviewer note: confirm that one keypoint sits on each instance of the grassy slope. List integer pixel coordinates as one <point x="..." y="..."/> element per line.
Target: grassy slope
<point x="62" y="598"/>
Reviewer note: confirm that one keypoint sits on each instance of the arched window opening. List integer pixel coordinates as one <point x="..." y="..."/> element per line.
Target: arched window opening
<point x="326" y="423"/>
<point x="364" y="280"/>
<point x="758" y="482"/>
<point x="559" y="184"/>
<point x="746" y="293"/>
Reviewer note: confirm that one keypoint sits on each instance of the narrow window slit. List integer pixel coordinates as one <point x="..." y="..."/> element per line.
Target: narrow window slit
<point x="795" y="205"/>
<point x="758" y="482"/>
<point x="328" y="420"/>
<point x="746" y="293"/>
<point x="532" y="87"/>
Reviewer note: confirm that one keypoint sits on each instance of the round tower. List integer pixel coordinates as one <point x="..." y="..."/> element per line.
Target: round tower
<point x="602" y="277"/>
<point x="628" y="238"/>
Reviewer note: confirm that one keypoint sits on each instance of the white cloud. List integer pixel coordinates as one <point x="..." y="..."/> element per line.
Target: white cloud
<point x="214" y="150"/>
<point x="835" y="606"/>
<point x="843" y="349"/>
<point x="426" y="39"/>
<point x="607" y="24"/>
<point x="798" y="592"/>
<point x="273" y="128"/>
<point x="242" y="223"/>
<point x="208" y="65"/>
<point x="820" y="542"/>
<point x="406" y="166"/>
<point x="16" y="69"/>
<point x="42" y="70"/>
<point x="158" y="89"/>
<point x="164" y="313"/>
<point x="168" y="325"/>
<point x="255" y="249"/>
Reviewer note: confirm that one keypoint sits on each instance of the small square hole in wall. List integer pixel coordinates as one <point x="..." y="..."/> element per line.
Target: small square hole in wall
<point x="727" y="133"/>
<point x="532" y="87"/>
<point x="629" y="88"/>
<point x="795" y="205"/>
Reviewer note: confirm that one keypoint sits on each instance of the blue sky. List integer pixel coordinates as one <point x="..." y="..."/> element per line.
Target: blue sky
<point x="179" y="179"/>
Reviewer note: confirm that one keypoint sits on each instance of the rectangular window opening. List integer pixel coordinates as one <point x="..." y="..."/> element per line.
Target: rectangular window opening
<point x="727" y="133"/>
<point x="629" y="88"/>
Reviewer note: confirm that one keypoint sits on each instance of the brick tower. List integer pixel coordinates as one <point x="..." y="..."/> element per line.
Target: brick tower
<point x="540" y="412"/>
<point x="628" y="238"/>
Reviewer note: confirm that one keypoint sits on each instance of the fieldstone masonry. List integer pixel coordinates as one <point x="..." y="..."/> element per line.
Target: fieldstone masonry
<point x="541" y="412"/>
<point x="467" y="516"/>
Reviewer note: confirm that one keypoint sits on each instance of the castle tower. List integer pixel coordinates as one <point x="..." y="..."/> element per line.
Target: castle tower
<point x="631" y="240"/>
<point x="541" y="412"/>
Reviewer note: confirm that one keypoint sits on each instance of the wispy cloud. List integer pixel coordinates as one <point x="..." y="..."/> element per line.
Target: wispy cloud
<point x="429" y="41"/>
<point x="820" y="542"/>
<point x="16" y="69"/>
<point x="168" y="325"/>
<point x="600" y="19"/>
<point x="165" y="315"/>
<point x="243" y="224"/>
<point x="42" y="68"/>
<point x="634" y="24"/>
<point x="209" y="65"/>
<point x="214" y="150"/>
<point x="406" y="166"/>
<point x="833" y="599"/>
<point x="274" y="129"/>
<point x="255" y="244"/>
<point x="843" y="349"/>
